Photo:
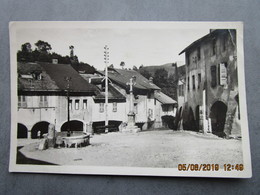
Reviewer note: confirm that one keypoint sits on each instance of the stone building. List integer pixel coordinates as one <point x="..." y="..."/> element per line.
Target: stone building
<point x="42" y="100"/>
<point x="181" y="70"/>
<point x="150" y="104"/>
<point x="211" y="84"/>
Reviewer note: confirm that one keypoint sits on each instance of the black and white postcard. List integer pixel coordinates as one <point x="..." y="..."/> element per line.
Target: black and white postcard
<point x="129" y="98"/>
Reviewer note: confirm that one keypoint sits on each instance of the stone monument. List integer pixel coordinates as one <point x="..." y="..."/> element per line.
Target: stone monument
<point x="131" y="127"/>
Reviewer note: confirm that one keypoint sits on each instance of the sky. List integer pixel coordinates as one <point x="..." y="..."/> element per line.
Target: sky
<point x="134" y="45"/>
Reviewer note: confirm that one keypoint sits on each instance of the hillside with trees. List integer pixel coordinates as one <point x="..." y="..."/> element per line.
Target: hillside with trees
<point x="42" y="53"/>
<point x="164" y="77"/>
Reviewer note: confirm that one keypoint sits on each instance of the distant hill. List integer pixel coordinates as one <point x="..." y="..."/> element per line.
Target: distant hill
<point x="169" y="67"/>
<point x="164" y="76"/>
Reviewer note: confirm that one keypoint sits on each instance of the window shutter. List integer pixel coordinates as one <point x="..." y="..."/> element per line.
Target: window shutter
<point x="213" y="76"/>
<point x="222" y="74"/>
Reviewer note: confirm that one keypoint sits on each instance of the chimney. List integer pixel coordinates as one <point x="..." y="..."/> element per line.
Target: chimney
<point x="151" y="79"/>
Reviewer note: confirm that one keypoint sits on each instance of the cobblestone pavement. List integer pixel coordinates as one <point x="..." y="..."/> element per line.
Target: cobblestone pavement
<point x="158" y="148"/>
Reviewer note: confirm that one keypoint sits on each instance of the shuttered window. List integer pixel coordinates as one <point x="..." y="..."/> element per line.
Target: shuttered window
<point x="22" y="101"/>
<point x="101" y="107"/>
<point x="114" y="107"/>
<point x="193" y="81"/>
<point x="213" y="71"/>
<point x="223" y="74"/>
<point x="199" y="80"/>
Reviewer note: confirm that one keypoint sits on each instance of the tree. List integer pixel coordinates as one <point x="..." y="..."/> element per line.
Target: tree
<point x="145" y="73"/>
<point x="122" y="64"/>
<point x="43" y="47"/>
<point x="26" y="47"/>
<point x="135" y="68"/>
<point x="111" y="66"/>
<point x="25" y="54"/>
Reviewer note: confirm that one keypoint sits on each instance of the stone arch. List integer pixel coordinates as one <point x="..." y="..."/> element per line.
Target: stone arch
<point x="218" y="113"/>
<point x="22" y="131"/>
<point x="189" y="121"/>
<point x="41" y="126"/>
<point x="75" y="125"/>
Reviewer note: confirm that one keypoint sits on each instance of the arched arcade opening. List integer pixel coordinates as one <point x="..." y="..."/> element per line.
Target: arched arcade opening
<point x="40" y="126"/>
<point x="22" y="131"/>
<point x="74" y="125"/>
<point x="218" y="113"/>
<point x="189" y="121"/>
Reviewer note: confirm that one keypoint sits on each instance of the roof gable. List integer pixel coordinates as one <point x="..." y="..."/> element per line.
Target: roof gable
<point x="122" y="77"/>
<point x="163" y="98"/>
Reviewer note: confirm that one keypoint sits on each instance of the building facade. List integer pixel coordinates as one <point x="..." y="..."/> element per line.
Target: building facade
<point x="47" y="91"/>
<point x="211" y="85"/>
<point x="150" y="104"/>
<point x="43" y="100"/>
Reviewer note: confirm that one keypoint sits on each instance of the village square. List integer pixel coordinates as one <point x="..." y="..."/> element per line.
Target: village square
<point x="70" y="113"/>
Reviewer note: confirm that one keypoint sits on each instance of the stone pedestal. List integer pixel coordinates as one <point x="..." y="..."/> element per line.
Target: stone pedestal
<point x="131" y="127"/>
<point x="51" y="139"/>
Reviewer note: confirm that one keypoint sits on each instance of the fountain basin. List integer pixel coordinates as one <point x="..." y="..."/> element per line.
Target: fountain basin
<point x="75" y="139"/>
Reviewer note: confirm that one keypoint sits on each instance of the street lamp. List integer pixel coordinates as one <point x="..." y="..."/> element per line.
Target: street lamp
<point x="68" y="79"/>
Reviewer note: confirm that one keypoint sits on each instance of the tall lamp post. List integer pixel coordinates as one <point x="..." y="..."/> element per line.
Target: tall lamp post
<point x="106" y="61"/>
<point x="68" y="79"/>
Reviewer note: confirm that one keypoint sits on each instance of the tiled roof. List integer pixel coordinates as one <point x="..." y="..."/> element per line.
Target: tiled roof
<point x="45" y="84"/>
<point x="53" y="78"/>
<point x="164" y="99"/>
<point x="113" y="93"/>
<point x="211" y="35"/>
<point x="122" y="76"/>
<point x="58" y="72"/>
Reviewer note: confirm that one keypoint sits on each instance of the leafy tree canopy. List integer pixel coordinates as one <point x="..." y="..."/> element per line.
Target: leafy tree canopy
<point x="42" y="54"/>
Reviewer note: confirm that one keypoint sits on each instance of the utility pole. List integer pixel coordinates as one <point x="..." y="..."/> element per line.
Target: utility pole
<point x="106" y="60"/>
<point x="68" y="79"/>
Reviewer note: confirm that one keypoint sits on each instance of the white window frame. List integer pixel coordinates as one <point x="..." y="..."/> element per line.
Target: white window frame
<point x="77" y="104"/>
<point x="22" y="101"/>
<point x="85" y="104"/>
<point x="114" y="107"/>
<point x="101" y="107"/>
